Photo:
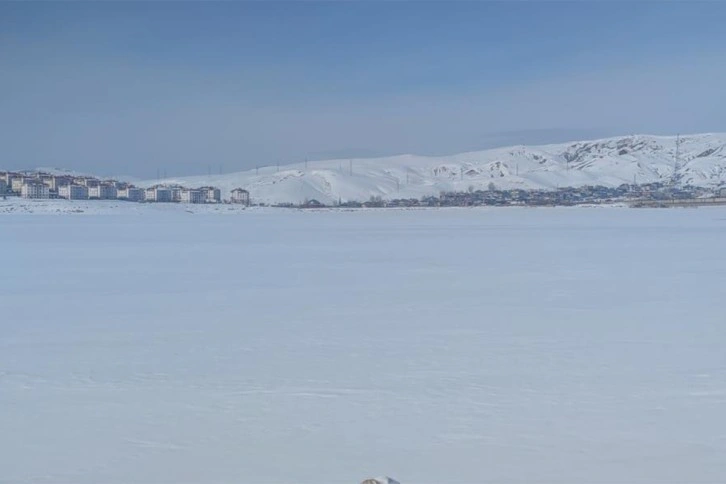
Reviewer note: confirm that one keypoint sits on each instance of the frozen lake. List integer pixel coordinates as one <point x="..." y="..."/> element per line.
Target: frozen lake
<point x="438" y="347"/>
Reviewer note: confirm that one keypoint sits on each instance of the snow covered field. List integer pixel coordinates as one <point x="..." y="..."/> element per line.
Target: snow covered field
<point x="439" y="346"/>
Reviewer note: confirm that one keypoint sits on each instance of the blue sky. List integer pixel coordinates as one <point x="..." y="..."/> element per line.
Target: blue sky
<point x="128" y="88"/>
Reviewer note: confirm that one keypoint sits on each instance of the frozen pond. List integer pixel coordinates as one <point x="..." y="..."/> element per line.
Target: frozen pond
<point x="438" y="347"/>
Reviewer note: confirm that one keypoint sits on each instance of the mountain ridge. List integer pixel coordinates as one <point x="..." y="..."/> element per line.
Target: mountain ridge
<point x="699" y="159"/>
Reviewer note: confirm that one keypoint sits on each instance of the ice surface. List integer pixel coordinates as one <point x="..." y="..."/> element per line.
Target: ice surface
<point x="440" y="346"/>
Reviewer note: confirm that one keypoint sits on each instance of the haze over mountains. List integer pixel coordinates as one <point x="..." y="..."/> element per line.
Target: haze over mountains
<point x="698" y="159"/>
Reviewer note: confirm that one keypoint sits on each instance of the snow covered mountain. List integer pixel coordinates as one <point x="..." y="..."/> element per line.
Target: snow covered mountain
<point x="697" y="160"/>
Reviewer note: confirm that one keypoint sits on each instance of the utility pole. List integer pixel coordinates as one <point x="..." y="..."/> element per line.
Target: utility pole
<point x="350" y="164"/>
<point x="257" y="169"/>
<point x="678" y="152"/>
<point x="306" y="163"/>
<point x="278" y="166"/>
<point x="220" y="168"/>
<point x="677" y="163"/>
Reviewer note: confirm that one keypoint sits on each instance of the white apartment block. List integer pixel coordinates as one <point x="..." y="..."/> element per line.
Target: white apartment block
<point x="47" y="179"/>
<point x="73" y="192"/>
<point x="108" y="191"/>
<point x="88" y="181"/>
<point x="102" y="191"/>
<point x="54" y="182"/>
<point x="159" y="194"/>
<point x="132" y="194"/>
<point x="240" y="195"/>
<point x="34" y="189"/>
<point x="190" y="195"/>
<point x="8" y="177"/>
<point x="16" y="183"/>
<point x="214" y="195"/>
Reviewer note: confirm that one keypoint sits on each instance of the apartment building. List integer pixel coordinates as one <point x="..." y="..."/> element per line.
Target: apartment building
<point x="34" y="189"/>
<point x="191" y="195"/>
<point x="240" y="195"/>
<point x="73" y="192"/>
<point x="102" y="191"/>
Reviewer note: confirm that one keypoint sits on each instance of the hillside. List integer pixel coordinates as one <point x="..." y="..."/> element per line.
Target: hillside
<point x="609" y="162"/>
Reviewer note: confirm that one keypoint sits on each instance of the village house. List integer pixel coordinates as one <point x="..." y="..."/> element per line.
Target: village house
<point x="73" y="192"/>
<point x="240" y="195"/>
<point x="34" y="189"/>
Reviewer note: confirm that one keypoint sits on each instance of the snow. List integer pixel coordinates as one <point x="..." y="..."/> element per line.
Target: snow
<point x="569" y="345"/>
<point x="609" y="162"/>
<point x="21" y="206"/>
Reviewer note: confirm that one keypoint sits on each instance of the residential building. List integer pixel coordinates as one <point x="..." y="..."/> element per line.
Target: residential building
<point x="3" y="187"/>
<point x="9" y="176"/>
<point x="73" y="192"/>
<point x="214" y="195"/>
<point x="130" y="193"/>
<point x="102" y="191"/>
<point x="117" y="184"/>
<point x="54" y="182"/>
<point x="191" y="195"/>
<point x="176" y="193"/>
<point x="17" y="182"/>
<point x="87" y="181"/>
<point x="47" y="179"/>
<point x="240" y="195"/>
<point x="158" y="193"/>
<point x="34" y="189"/>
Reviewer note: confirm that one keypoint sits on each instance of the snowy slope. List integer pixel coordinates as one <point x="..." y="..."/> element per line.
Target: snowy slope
<point x="609" y="162"/>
